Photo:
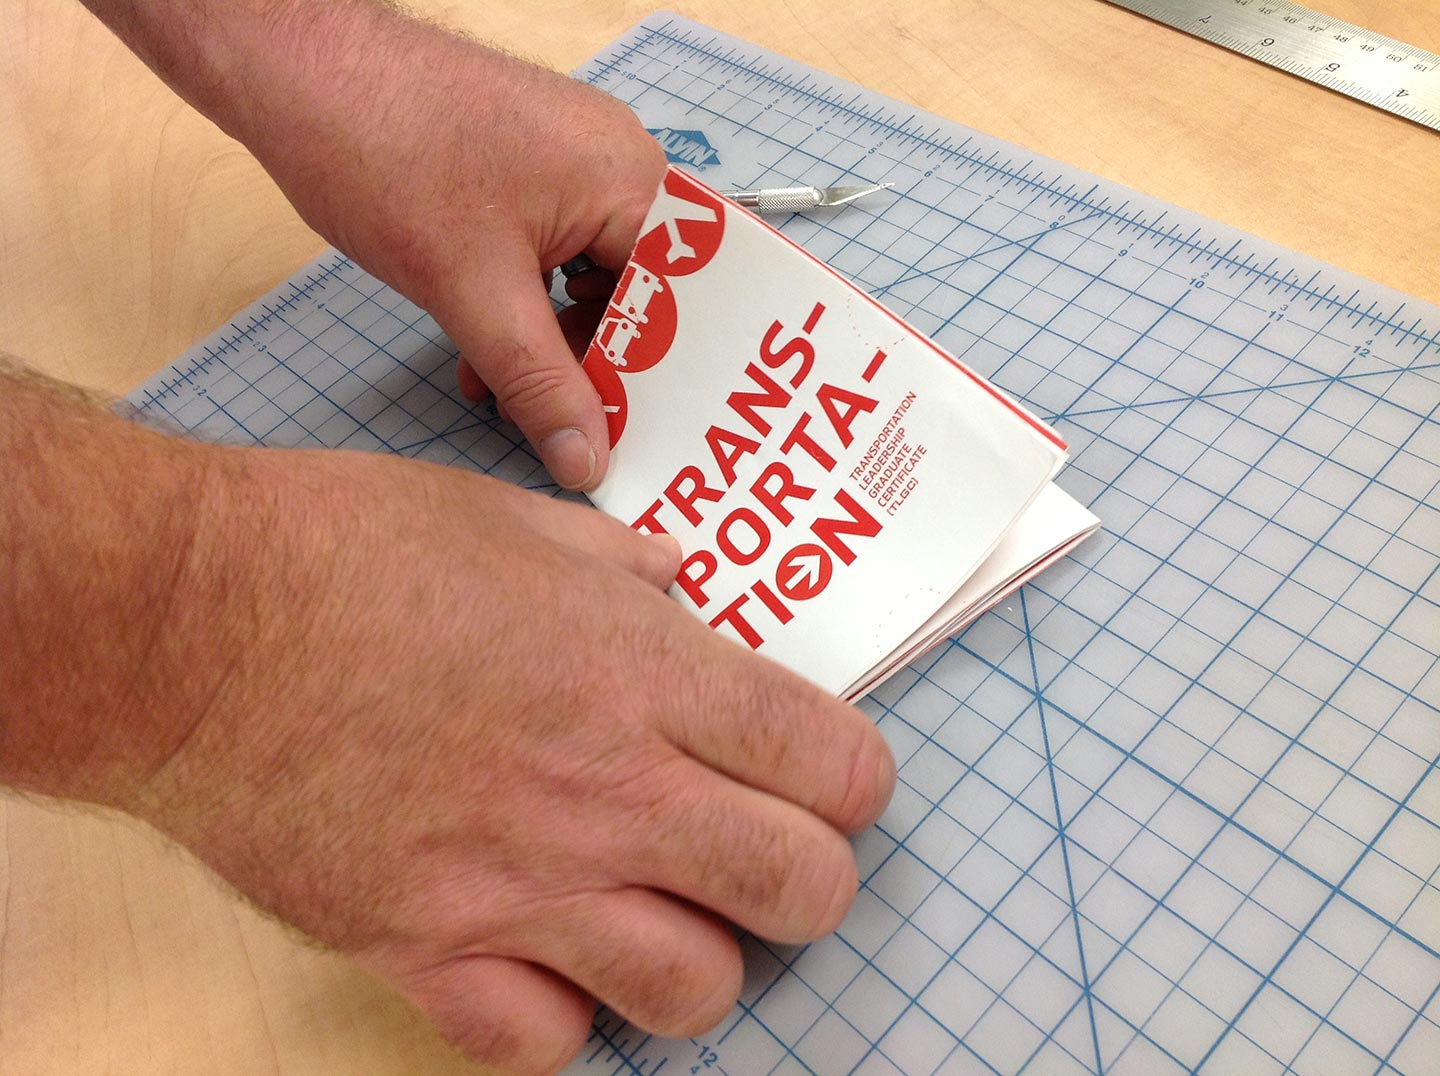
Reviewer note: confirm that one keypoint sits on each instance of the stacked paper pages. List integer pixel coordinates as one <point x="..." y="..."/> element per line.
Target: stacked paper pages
<point x="846" y="494"/>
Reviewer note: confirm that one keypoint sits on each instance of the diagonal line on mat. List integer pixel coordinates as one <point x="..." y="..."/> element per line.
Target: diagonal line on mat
<point x="1085" y="984"/>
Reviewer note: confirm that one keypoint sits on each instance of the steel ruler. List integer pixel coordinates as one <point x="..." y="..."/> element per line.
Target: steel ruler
<point x="1349" y="59"/>
<point x="1172" y="808"/>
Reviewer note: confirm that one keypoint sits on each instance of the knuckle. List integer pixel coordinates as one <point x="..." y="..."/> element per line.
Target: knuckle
<point x="644" y="785"/>
<point x="474" y="1034"/>
<point x="796" y="880"/>
<point x="566" y="1045"/>
<point x="709" y="992"/>
<point x="677" y="996"/>
<point x="769" y="736"/>
<point x="662" y="971"/>
<point x="655" y="561"/>
<point x="754" y="862"/>
<point x="408" y="253"/>
<point x="522" y="381"/>
<point x="648" y="170"/>
<point x="547" y="1058"/>
<point x="525" y="1043"/>
<point x="821" y="888"/>
<point x="869" y="770"/>
<point x="762" y="738"/>
<point x="487" y="1041"/>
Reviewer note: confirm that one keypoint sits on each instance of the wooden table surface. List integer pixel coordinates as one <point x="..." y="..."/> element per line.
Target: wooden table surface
<point x="130" y="227"/>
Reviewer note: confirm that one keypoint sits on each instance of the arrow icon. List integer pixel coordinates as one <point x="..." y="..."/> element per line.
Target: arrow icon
<point x="804" y="572"/>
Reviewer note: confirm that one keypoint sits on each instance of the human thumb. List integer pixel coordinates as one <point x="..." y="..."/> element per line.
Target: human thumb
<point x="504" y="325"/>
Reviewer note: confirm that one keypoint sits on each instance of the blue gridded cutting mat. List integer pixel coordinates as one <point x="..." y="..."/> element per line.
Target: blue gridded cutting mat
<point x="1173" y="808"/>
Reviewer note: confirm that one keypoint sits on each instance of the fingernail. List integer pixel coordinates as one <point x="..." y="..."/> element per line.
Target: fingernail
<point x="669" y="548"/>
<point x="668" y="542"/>
<point x="569" y="457"/>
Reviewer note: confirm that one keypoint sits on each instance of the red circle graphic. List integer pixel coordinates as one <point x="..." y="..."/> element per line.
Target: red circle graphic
<point x="607" y="384"/>
<point x="692" y="223"/>
<point x="804" y="572"/>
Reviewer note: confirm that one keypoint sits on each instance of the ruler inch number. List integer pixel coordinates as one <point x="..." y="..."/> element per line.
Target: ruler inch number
<point x="1377" y="70"/>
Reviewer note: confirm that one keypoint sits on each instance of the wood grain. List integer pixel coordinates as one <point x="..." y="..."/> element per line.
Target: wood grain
<point x="130" y="227"/>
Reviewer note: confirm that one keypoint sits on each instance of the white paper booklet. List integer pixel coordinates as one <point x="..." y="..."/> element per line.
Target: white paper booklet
<point x="846" y="494"/>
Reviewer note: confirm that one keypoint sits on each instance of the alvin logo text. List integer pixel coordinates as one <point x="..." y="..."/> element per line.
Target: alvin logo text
<point x="685" y="147"/>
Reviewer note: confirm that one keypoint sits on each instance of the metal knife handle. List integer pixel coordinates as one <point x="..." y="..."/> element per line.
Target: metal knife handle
<point x="777" y="199"/>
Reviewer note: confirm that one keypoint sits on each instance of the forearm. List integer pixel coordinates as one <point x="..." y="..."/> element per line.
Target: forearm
<point x="250" y="63"/>
<point x="108" y="564"/>
<point x="345" y="103"/>
<point x="451" y="171"/>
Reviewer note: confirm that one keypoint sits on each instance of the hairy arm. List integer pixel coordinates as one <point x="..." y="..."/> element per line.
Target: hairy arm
<point x="454" y="172"/>
<point x="448" y="726"/>
<point x="101" y="528"/>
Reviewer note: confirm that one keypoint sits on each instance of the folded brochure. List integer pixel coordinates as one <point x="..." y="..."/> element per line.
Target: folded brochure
<point x="845" y="493"/>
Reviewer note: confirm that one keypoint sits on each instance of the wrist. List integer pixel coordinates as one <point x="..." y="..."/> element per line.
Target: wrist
<point x="98" y="531"/>
<point x="196" y="625"/>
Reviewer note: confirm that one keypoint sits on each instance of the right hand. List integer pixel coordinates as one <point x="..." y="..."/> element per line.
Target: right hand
<point x="456" y="173"/>
<point x="460" y="732"/>
<point x="465" y="180"/>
